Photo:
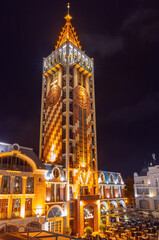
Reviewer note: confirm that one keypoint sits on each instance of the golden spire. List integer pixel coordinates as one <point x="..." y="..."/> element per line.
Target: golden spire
<point x="68" y="7"/>
<point x="68" y="16"/>
<point x="68" y="32"/>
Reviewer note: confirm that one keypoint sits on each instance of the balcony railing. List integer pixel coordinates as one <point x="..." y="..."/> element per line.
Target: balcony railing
<point x="17" y="190"/>
<point x="16" y="167"/>
<point x="29" y="190"/>
<point x="5" y="190"/>
<point x="141" y="185"/>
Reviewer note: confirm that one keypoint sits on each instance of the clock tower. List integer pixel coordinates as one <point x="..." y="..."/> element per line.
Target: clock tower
<point x="68" y="124"/>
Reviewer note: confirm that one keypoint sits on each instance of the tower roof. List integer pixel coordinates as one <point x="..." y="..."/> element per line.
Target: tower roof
<point x="68" y="33"/>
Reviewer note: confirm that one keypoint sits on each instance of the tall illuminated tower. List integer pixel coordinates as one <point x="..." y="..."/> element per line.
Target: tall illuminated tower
<point x="68" y="126"/>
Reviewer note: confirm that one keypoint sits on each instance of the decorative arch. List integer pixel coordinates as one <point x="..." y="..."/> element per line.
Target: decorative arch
<point x="111" y="178"/>
<point x="114" y="203"/>
<point x="105" y="205"/>
<point x="90" y="216"/>
<point x="55" y="211"/>
<point x="102" y="177"/>
<point x="122" y="203"/>
<point x="20" y="156"/>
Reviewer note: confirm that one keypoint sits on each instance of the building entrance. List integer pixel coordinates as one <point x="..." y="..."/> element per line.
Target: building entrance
<point x="56" y="226"/>
<point x="89" y="217"/>
<point x="55" y="220"/>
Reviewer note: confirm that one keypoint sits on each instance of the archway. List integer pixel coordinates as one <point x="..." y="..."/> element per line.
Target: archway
<point x="122" y="210"/>
<point x="113" y="211"/>
<point x="55" y="219"/>
<point x="90" y="215"/>
<point x="122" y="206"/>
<point x="104" y="212"/>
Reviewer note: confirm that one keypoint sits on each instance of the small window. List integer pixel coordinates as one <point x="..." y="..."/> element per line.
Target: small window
<point x="56" y="173"/>
<point x="102" y="177"/>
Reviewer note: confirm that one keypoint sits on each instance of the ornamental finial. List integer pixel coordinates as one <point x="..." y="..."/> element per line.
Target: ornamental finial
<point x="68" y="7"/>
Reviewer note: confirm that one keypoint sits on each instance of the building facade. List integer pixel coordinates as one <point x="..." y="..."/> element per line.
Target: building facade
<point x="69" y="191"/>
<point x="146" y="188"/>
<point x="22" y="186"/>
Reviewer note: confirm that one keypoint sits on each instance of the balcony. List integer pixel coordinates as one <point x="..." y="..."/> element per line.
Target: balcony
<point x="58" y="57"/>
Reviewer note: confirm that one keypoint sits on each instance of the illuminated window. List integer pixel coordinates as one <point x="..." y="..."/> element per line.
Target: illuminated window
<point x="71" y="177"/>
<point x="18" y="185"/>
<point x="81" y="190"/>
<point x="30" y="185"/>
<point x="71" y="209"/>
<point x="57" y="192"/>
<point x="16" y="208"/>
<point x="54" y="212"/>
<point x="86" y="190"/>
<point x="55" y="226"/>
<point x="15" y="163"/>
<point x="52" y="192"/>
<point x="71" y="193"/>
<point x="5" y="185"/>
<point x="28" y="207"/>
<point x="3" y="208"/>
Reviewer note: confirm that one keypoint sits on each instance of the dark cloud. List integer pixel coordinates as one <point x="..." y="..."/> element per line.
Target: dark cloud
<point x="144" y="24"/>
<point x="24" y="131"/>
<point x="144" y="110"/>
<point x="105" y="45"/>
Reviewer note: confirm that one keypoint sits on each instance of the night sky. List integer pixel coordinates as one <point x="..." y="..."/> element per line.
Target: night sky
<point x="123" y="38"/>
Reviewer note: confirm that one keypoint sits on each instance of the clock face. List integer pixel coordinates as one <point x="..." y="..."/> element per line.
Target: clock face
<point x="81" y="96"/>
<point x="53" y="96"/>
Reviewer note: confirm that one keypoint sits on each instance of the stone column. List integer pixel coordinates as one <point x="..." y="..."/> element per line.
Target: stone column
<point x="10" y="200"/>
<point x="22" y="209"/>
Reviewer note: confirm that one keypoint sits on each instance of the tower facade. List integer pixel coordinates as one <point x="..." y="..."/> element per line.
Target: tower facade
<point x="68" y="126"/>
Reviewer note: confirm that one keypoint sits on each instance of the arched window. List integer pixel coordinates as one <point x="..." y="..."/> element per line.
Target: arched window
<point x="111" y="178"/>
<point x="56" y="172"/>
<point x="55" y="212"/>
<point x="15" y="163"/>
<point x="30" y="185"/>
<point x="18" y="185"/>
<point x="102" y="177"/>
<point x="103" y="209"/>
<point x="119" y="178"/>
